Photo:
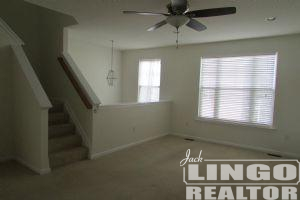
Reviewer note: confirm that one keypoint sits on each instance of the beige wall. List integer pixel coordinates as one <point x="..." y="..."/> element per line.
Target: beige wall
<point x="24" y="19"/>
<point x="6" y="105"/>
<point x="15" y="13"/>
<point x="30" y="124"/>
<point x="23" y="123"/>
<point x="119" y="126"/>
<point x="180" y="73"/>
<point x="51" y="73"/>
<point x="41" y="30"/>
<point x="94" y="61"/>
<point x="53" y="77"/>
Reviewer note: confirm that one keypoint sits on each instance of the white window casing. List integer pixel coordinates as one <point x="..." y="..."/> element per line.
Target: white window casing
<point x="149" y="80"/>
<point x="238" y="89"/>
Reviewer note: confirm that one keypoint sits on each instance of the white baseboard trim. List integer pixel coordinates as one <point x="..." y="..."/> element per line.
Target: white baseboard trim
<point x="119" y="148"/>
<point x="244" y="146"/>
<point x="36" y="170"/>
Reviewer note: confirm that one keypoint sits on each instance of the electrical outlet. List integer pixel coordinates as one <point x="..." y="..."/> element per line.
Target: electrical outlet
<point x="133" y="129"/>
<point x="286" y="137"/>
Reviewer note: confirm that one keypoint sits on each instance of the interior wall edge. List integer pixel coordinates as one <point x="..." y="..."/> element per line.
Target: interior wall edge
<point x="122" y="147"/>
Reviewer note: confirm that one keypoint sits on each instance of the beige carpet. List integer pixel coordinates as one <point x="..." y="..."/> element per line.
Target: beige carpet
<point x="149" y="171"/>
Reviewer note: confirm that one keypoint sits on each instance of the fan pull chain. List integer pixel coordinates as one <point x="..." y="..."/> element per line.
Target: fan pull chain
<point x="112" y="55"/>
<point x="177" y="41"/>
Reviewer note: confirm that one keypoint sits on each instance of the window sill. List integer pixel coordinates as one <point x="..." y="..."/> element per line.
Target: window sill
<point x="233" y="123"/>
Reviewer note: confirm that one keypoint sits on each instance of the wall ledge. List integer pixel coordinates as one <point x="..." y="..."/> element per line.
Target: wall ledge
<point x="133" y="104"/>
<point x="32" y="78"/>
<point x="13" y="37"/>
<point x="25" y="65"/>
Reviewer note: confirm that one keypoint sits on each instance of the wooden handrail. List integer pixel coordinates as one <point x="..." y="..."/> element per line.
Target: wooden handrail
<point x="76" y="85"/>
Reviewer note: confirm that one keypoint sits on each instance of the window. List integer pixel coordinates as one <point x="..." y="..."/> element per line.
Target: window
<point x="238" y="89"/>
<point x="149" y="80"/>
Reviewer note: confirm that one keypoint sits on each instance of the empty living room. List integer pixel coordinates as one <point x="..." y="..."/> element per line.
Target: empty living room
<point x="149" y="100"/>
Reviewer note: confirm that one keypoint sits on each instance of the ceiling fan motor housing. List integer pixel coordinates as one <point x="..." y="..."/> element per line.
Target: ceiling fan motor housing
<point x="177" y="9"/>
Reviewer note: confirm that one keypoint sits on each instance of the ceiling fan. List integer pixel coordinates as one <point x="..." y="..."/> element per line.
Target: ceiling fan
<point x="179" y="15"/>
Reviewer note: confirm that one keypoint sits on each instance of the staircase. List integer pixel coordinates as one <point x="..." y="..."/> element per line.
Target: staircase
<point x="65" y="146"/>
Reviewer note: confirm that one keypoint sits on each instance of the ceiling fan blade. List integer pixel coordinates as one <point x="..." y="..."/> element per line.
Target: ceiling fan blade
<point x="211" y="12"/>
<point x="158" y="25"/>
<point x="145" y="13"/>
<point x="194" y="24"/>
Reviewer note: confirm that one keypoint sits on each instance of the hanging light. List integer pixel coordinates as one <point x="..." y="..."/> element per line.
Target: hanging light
<point x="111" y="73"/>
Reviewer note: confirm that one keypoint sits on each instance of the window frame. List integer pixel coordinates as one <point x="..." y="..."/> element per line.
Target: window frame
<point x="237" y="123"/>
<point x="138" y="83"/>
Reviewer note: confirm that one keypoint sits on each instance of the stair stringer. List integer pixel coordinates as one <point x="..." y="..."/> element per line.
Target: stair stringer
<point x="79" y="129"/>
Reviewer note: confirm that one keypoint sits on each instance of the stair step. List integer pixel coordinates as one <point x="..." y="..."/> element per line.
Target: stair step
<point x="57" y="107"/>
<point x="61" y="130"/>
<point x="68" y="156"/>
<point x="65" y="142"/>
<point x="58" y="118"/>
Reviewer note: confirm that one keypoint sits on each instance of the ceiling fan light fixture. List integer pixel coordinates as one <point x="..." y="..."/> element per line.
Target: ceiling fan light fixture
<point x="111" y="77"/>
<point x="178" y="20"/>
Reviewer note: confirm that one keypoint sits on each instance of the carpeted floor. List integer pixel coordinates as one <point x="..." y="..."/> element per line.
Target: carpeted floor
<point x="149" y="171"/>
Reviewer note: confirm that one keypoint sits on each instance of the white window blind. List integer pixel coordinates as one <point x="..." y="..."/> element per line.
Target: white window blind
<point x="149" y="80"/>
<point x="238" y="89"/>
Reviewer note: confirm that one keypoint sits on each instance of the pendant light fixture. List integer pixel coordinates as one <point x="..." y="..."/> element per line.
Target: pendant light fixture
<point x="111" y="73"/>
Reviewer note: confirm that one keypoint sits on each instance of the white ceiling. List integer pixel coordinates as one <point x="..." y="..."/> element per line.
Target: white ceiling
<point x="102" y="21"/>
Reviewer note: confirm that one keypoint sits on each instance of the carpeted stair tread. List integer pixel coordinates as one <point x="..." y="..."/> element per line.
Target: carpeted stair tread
<point x="65" y="146"/>
<point x="61" y="130"/>
<point x="57" y="107"/>
<point x="65" y="142"/>
<point x="58" y="118"/>
<point x="68" y="156"/>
